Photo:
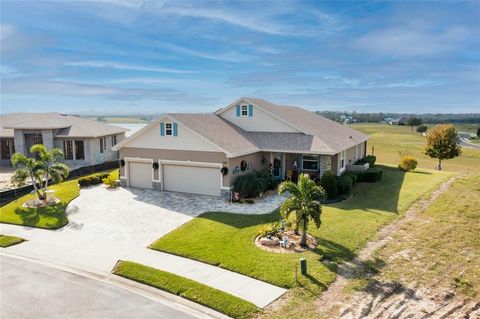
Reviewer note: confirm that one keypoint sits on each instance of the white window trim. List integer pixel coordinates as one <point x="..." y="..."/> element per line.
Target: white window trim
<point x="343" y="155"/>
<point x="311" y="160"/>
<point x="171" y="128"/>
<point x="246" y="109"/>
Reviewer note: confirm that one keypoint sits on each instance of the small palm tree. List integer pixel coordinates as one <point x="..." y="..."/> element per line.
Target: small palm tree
<point x="46" y="167"/>
<point x="305" y="202"/>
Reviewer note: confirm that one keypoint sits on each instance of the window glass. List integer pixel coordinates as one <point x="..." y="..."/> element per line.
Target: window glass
<point x="168" y="129"/>
<point x="79" y="150"/>
<point x="6" y="149"/>
<point x="102" y="144"/>
<point x="244" y="110"/>
<point x="310" y="162"/>
<point x="68" y="150"/>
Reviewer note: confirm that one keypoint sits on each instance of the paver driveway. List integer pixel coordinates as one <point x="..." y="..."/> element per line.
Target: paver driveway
<point x="110" y="225"/>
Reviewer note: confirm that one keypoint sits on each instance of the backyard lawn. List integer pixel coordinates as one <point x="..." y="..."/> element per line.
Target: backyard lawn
<point x="50" y="217"/>
<point x="227" y="240"/>
<point x="389" y="140"/>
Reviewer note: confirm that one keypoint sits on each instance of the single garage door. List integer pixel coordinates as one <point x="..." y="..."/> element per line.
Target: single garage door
<point x="140" y="174"/>
<point x="192" y="179"/>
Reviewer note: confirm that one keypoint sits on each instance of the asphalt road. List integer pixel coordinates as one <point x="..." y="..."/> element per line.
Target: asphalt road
<point x="30" y="290"/>
<point x="465" y="142"/>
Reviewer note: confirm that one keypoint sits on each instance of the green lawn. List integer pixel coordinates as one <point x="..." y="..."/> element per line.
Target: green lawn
<point x="389" y="140"/>
<point x="50" y="217"/>
<point x="186" y="288"/>
<point x="227" y="240"/>
<point x="6" y="241"/>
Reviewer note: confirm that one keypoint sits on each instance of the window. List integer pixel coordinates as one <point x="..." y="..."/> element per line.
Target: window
<point x="103" y="144"/>
<point x="68" y="150"/>
<point x="244" y="110"/>
<point x="168" y="129"/>
<point x="310" y="162"/>
<point x="342" y="160"/>
<point x="79" y="150"/>
<point x="114" y="140"/>
<point x="7" y="145"/>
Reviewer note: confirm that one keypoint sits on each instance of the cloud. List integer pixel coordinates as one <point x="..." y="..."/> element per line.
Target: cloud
<point x="123" y="66"/>
<point x="14" y="43"/>
<point x="411" y="41"/>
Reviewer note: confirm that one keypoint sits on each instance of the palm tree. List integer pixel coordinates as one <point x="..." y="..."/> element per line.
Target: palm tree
<point x="47" y="166"/>
<point x="305" y="202"/>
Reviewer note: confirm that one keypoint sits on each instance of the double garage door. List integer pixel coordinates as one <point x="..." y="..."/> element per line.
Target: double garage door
<point x="178" y="178"/>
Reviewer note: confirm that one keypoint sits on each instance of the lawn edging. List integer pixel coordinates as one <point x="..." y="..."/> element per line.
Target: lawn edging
<point x="215" y="299"/>
<point x="7" y="241"/>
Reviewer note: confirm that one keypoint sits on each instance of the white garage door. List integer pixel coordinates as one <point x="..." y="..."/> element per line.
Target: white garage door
<point x="192" y="179"/>
<point x="140" y="174"/>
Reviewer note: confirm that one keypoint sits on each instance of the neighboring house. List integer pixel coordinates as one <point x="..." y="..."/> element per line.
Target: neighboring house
<point x="398" y="121"/>
<point x="83" y="142"/>
<point x="204" y="153"/>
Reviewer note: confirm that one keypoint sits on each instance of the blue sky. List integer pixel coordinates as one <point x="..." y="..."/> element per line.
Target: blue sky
<point x="166" y="56"/>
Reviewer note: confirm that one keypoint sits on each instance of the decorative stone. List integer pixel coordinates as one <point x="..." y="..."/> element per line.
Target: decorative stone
<point x="274" y="241"/>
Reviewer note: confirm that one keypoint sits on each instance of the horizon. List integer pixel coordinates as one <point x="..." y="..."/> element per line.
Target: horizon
<point x="142" y="57"/>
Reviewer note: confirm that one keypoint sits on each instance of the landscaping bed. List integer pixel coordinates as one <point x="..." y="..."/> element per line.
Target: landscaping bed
<point x="6" y="241"/>
<point x="189" y="289"/>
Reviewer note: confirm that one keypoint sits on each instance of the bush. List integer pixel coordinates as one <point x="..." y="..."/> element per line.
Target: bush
<point x="407" y="163"/>
<point x="270" y="229"/>
<point x="329" y="184"/>
<point x="421" y="129"/>
<point x="353" y="176"/>
<point x="94" y="179"/>
<point x="344" y="185"/>
<point x="110" y="181"/>
<point x="84" y="181"/>
<point x="249" y="185"/>
<point x="370" y="159"/>
<point x="371" y="175"/>
<point x="267" y="176"/>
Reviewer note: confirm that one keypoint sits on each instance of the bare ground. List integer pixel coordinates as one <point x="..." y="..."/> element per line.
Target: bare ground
<point x="382" y="298"/>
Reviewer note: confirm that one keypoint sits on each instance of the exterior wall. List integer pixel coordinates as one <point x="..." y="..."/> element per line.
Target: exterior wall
<point x="260" y="121"/>
<point x="254" y="160"/>
<point x="47" y="139"/>
<point x="186" y="140"/>
<point x="175" y="155"/>
<point x="351" y="155"/>
<point x="4" y="162"/>
<point x="19" y="141"/>
<point x="335" y="159"/>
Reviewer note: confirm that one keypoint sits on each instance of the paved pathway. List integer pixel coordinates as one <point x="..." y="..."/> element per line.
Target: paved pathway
<point x="29" y="290"/>
<point x="107" y="226"/>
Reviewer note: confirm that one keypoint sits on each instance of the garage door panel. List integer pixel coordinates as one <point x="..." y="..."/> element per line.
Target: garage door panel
<point x="192" y="179"/>
<point x="140" y="175"/>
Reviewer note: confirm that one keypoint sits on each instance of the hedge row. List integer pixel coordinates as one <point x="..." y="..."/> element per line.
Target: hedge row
<point x="370" y="159"/>
<point x="94" y="179"/>
<point x="371" y="175"/>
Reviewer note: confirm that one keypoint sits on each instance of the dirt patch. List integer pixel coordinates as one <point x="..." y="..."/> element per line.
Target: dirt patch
<point x="293" y="245"/>
<point x="389" y="299"/>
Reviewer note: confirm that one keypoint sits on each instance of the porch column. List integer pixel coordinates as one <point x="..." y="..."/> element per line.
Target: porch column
<point x="19" y="141"/>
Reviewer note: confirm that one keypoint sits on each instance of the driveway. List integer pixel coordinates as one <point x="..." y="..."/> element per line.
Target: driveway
<point x="29" y="290"/>
<point x="110" y="225"/>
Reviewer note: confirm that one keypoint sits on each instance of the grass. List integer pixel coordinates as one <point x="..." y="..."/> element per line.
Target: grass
<point x="50" y="217"/>
<point x="6" y="241"/>
<point x="218" y="300"/>
<point x="389" y="140"/>
<point x="446" y="243"/>
<point x="227" y="240"/>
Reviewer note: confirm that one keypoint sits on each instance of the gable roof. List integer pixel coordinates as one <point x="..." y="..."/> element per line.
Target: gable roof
<point x="66" y="125"/>
<point x="317" y="135"/>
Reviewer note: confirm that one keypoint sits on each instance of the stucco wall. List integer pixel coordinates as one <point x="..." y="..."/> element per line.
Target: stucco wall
<point x="256" y="165"/>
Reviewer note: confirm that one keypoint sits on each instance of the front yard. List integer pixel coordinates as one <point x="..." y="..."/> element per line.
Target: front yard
<point x="49" y="217"/>
<point x="227" y="240"/>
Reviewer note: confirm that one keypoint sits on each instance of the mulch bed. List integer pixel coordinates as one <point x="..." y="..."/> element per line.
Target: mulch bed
<point x="293" y="246"/>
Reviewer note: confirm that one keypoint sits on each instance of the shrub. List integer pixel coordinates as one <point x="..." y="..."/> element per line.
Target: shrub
<point x="94" y="179"/>
<point x="407" y="163"/>
<point x="353" y="177"/>
<point x="267" y="176"/>
<point x="110" y="181"/>
<point x="370" y="159"/>
<point x="270" y="229"/>
<point x="344" y="185"/>
<point x="84" y="181"/>
<point x="371" y="175"/>
<point x="421" y="129"/>
<point x="249" y="185"/>
<point x="329" y="184"/>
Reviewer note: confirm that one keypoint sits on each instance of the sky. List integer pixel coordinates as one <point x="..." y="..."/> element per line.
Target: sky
<point x="139" y="56"/>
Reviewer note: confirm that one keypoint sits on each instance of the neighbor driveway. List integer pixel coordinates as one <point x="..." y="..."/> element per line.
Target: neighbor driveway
<point x="110" y="225"/>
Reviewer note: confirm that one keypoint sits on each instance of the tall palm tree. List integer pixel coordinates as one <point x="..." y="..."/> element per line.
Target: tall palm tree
<point x="45" y="165"/>
<point x="305" y="202"/>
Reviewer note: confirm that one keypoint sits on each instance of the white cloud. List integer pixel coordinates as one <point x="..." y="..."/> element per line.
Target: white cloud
<point x="123" y="66"/>
<point x="227" y="56"/>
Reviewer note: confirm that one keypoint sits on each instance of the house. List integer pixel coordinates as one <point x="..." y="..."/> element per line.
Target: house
<point x="205" y="153"/>
<point x="398" y="121"/>
<point x="84" y="142"/>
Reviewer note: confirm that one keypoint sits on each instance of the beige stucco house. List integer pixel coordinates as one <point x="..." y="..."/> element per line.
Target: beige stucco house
<point x="84" y="142"/>
<point x="204" y="153"/>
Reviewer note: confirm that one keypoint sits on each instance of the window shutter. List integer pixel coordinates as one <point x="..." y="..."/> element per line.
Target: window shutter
<point x="250" y="110"/>
<point x="238" y="110"/>
<point x="175" y="129"/>
<point x="162" y="129"/>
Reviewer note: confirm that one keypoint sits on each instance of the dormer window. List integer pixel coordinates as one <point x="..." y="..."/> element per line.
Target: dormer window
<point x="168" y="129"/>
<point x="244" y="110"/>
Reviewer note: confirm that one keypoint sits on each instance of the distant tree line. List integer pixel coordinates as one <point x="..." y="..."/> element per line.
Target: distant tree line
<point x="425" y="118"/>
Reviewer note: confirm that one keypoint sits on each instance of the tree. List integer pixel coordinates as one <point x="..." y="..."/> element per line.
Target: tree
<point x="421" y="129"/>
<point x="45" y="165"/>
<point x="305" y="202"/>
<point x="414" y="121"/>
<point x="442" y="143"/>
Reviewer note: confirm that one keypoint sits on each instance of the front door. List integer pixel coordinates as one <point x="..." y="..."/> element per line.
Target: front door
<point x="278" y="165"/>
